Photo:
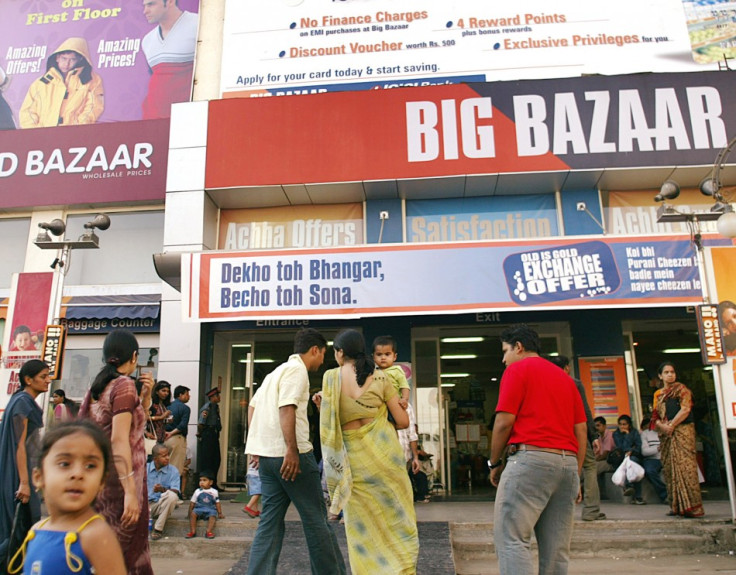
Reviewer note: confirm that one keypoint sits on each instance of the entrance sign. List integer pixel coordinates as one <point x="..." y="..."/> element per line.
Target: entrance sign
<point x="403" y="279"/>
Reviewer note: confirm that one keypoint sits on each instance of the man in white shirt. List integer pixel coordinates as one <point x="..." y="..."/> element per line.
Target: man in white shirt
<point x="652" y="463"/>
<point x="278" y="441"/>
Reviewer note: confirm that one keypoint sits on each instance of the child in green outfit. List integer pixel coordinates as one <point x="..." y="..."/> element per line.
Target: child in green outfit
<point x="384" y="355"/>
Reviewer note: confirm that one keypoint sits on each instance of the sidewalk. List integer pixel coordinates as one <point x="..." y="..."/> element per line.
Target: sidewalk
<point x="482" y="512"/>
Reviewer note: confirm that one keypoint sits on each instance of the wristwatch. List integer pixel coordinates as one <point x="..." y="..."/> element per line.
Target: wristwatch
<point x="498" y="463"/>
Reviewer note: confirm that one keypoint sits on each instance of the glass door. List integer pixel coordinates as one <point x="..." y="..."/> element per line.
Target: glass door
<point x="235" y="417"/>
<point x="430" y="408"/>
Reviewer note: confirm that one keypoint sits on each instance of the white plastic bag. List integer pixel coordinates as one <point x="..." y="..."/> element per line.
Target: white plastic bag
<point x="619" y="476"/>
<point x="634" y="471"/>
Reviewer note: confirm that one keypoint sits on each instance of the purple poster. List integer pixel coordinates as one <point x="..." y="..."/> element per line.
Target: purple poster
<point x="71" y="62"/>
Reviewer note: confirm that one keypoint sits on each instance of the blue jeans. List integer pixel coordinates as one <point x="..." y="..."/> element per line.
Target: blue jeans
<point x="306" y="494"/>
<point x="537" y="494"/>
<point x="653" y="468"/>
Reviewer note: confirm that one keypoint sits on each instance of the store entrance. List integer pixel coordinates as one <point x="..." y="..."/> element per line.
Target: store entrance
<point x="457" y="373"/>
<point x="241" y="361"/>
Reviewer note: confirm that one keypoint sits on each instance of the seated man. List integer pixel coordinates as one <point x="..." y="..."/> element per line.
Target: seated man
<point x="163" y="489"/>
<point x="603" y="446"/>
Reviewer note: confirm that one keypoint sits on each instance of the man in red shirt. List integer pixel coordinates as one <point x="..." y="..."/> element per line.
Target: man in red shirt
<point x="540" y="418"/>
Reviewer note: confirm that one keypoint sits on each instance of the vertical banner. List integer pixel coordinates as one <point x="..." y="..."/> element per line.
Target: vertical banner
<point x="605" y="384"/>
<point x="709" y="331"/>
<point x="30" y="310"/>
<point x="53" y="349"/>
<point x="721" y="261"/>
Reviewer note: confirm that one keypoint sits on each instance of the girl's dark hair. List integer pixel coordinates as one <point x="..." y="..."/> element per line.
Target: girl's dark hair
<point x="31" y="369"/>
<point x="85" y="427"/>
<point x="118" y="349"/>
<point x="156" y="399"/>
<point x="352" y="345"/>
<point x="664" y="364"/>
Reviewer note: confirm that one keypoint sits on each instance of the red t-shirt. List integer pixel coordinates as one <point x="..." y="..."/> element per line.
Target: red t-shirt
<point x="545" y="401"/>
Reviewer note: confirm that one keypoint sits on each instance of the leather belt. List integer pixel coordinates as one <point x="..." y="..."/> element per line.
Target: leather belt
<point x="514" y="447"/>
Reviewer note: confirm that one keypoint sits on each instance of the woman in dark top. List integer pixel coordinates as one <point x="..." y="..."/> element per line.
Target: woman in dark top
<point x="160" y="409"/>
<point x="19" y="447"/>
<point x="673" y="419"/>
<point x="628" y="440"/>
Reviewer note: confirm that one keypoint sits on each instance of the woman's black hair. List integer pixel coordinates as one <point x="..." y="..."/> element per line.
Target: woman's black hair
<point x="83" y="426"/>
<point x="664" y="364"/>
<point x="352" y="345"/>
<point x="31" y="369"/>
<point x="627" y="419"/>
<point x="118" y="349"/>
<point x="64" y="399"/>
<point x="154" y="396"/>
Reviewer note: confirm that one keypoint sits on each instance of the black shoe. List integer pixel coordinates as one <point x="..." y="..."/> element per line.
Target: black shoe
<point x="639" y="501"/>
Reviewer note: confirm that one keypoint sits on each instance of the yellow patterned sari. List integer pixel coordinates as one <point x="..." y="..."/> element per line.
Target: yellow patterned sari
<point x="367" y="478"/>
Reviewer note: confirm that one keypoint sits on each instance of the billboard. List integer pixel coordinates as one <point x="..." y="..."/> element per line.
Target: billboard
<point x="114" y="60"/>
<point x="409" y="279"/>
<point x="601" y="122"/>
<point x="311" y="46"/>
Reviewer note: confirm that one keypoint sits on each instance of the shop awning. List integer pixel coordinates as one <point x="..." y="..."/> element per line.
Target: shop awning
<point x="137" y="306"/>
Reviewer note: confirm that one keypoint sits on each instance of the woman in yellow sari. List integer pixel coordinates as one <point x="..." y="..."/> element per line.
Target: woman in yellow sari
<point x="364" y="462"/>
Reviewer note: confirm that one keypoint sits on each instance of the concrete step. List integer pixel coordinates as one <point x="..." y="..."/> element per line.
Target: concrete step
<point x="223" y="527"/>
<point x="200" y="547"/>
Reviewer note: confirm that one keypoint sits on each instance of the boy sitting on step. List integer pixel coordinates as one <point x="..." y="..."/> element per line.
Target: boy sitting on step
<point x="205" y="504"/>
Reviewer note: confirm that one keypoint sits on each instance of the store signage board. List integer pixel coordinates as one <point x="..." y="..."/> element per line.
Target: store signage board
<point x="307" y="46"/>
<point x="441" y="278"/>
<point x="52" y="350"/>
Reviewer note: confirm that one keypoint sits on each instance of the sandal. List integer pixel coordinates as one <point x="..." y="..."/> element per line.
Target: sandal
<point x="190" y="535"/>
<point x="209" y="535"/>
<point x="156" y="535"/>
<point x="252" y="512"/>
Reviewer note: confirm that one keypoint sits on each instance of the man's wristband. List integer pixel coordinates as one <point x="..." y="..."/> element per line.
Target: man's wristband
<point x="498" y="463"/>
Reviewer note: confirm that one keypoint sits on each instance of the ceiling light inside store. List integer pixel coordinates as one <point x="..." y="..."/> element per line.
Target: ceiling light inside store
<point x="240" y="345"/>
<point x="263" y="360"/>
<point x="459" y="356"/>
<point x="447" y="385"/>
<point x="448" y="375"/>
<point x="461" y="339"/>
<point x="682" y="350"/>
<point x="239" y="388"/>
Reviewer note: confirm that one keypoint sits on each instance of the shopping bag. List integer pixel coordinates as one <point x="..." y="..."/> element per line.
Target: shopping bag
<point x="619" y="476"/>
<point x="634" y="471"/>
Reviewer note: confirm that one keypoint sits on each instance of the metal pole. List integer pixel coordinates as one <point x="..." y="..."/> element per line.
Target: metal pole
<point x="719" y="390"/>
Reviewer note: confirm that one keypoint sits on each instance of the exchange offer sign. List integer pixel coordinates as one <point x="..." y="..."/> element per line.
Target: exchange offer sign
<point x="440" y="278"/>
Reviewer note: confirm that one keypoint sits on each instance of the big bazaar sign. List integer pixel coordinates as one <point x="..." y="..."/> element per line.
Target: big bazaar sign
<point x="120" y="161"/>
<point x="503" y="127"/>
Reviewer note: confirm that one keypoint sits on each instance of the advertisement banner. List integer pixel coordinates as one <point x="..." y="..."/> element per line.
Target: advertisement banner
<point x="635" y="213"/>
<point x="118" y="61"/>
<point x="712" y="29"/>
<point x="52" y="350"/>
<point x="308" y="226"/>
<point x="586" y="123"/>
<point x="108" y="163"/>
<point x="709" y="332"/>
<point x="482" y="218"/>
<point x="31" y="308"/>
<point x="722" y="262"/>
<point x="407" y="279"/>
<point x="604" y="379"/>
<point x="303" y="46"/>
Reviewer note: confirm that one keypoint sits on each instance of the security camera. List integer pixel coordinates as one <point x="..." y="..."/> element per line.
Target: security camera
<point x="581" y="206"/>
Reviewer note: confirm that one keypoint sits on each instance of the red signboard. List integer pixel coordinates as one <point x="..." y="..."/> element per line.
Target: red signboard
<point x="102" y="163"/>
<point x="471" y="129"/>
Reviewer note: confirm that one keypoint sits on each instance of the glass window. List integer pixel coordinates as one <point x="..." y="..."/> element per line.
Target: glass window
<point x="13" y="248"/>
<point x="125" y="252"/>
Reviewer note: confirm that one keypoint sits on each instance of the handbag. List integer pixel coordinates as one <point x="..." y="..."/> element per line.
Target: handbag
<point x="22" y="523"/>
<point x="149" y="443"/>
<point x="615" y="457"/>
